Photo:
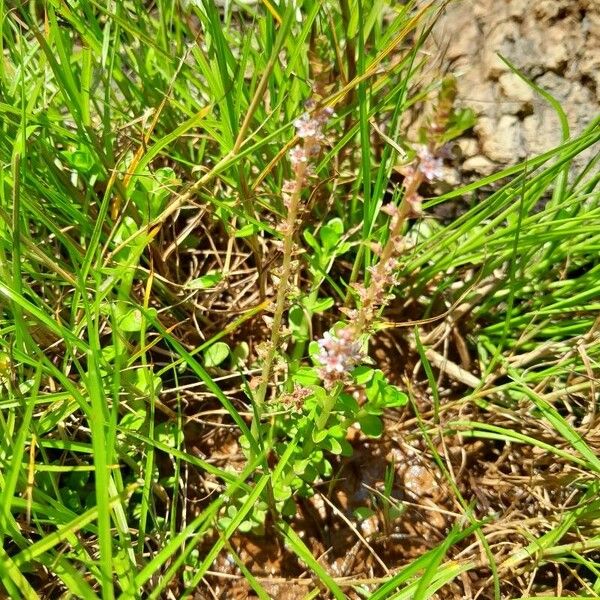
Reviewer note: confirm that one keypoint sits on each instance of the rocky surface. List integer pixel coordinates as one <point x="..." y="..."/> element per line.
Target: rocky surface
<point x="555" y="43"/>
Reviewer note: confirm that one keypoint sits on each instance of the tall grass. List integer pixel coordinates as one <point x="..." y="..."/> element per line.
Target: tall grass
<point x="143" y="149"/>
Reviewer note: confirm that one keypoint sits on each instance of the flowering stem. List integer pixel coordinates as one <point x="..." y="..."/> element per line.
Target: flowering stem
<point x="282" y="291"/>
<point x="403" y="212"/>
<point x="309" y="128"/>
<point x="411" y="185"/>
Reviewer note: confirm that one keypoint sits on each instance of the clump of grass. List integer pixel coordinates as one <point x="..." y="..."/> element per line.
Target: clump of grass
<point x="167" y="267"/>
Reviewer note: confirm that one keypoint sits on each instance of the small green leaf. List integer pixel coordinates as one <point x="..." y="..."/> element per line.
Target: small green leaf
<point x="337" y="431"/>
<point x="313" y="349"/>
<point x="216" y="354"/>
<point x="363" y="374"/>
<point x="246" y="231"/>
<point x="77" y="480"/>
<point x="346" y="447"/>
<point x="239" y="354"/>
<point x="332" y="445"/>
<point x="329" y="237"/>
<point x="167" y="433"/>
<point x="71" y="499"/>
<point x="319" y="436"/>
<point x="374" y="408"/>
<point x="376" y="386"/>
<point x="282" y="492"/>
<point x="157" y="188"/>
<point x="337" y="225"/>
<point x="460" y="121"/>
<point x="133" y="421"/>
<point x="348" y="403"/>
<point x="125" y="230"/>
<point x="306" y="376"/>
<point x="300" y="466"/>
<point x="371" y="425"/>
<point x="393" y="396"/>
<point x="321" y="395"/>
<point x="131" y="321"/>
<point x="246" y="526"/>
<point x="311" y="241"/>
<point x="82" y="160"/>
<point x="289" y="508"/>
<point x="296" y="316"/>
<point x="210" y="280"/>
<point x="146" y="381"/>
<point x="316" y="456"/>
<point x="310" y="473"/>
<point x="363" y="512"/>
<point x="224" y="522"/>
<point x="319" y="305"/>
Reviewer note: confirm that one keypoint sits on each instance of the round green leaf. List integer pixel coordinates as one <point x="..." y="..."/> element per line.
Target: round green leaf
<point x="393" y="396"/>
<point x="371" y="425"/>
<point x="216" y="354"/>
<point x="246" y="231"/>
<point x="306" y="376"/>
<point x="332" y="445"/>
<point x="363" y="512"/>
<point x="131" y="321"/>
<point x="319" y="436"/>
<point x="363" y="374"/>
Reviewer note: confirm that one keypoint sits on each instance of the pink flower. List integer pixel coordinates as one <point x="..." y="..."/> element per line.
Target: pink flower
<point x="297" y="156"/>
<point x="339" y="353"/>
<point x="311" y="125"/>
<point x="308" y="127"/>
<point x="415" y="203"/>
<point x="429" y="165"/>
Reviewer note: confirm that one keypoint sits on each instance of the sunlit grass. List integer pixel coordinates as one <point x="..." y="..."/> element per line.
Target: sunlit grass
<point x="143" y="153"/>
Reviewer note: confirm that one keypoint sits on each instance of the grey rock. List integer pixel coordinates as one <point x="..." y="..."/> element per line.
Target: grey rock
<point x="480" y="165"/>
<point x="556" y="43"/>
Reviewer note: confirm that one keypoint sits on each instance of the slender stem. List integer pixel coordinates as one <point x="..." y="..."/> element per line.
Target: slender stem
<point x="282" y="291"/>
<point x="403" y="212"/>
<point x="322" y="419"/>
<point x="411" y="185"/>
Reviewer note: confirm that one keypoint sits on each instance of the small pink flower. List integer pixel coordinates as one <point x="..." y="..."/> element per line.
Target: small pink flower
<point x="339" y="353"/>
<point x="390" y="209"/>
<point x="415" y="203"/>
<point x="286" y="191"/>
<point x="431" y="166"/>
<point x="297" y="156"/>
<point x="308" y="127"/>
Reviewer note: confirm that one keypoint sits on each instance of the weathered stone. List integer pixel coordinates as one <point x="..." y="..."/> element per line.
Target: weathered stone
<point x="515" y="88"/>
<point x="454" y="46"/>
<point x="477" y="95"/>
<point x="501" y="139"/>
<point x="557" y="53"/>
<point x="517" y="8"/>
<point x="468" y="147"/>
<point x="540" y="133"/>
<point x="556" y="43"/>
<point x="549" y="9"/>
<point x="480" y="165"/>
